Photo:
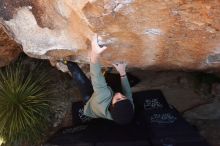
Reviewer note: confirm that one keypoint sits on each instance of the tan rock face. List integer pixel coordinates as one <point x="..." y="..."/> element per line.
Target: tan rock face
<point x="9" y="49"/>
<point x="160" y="34"/>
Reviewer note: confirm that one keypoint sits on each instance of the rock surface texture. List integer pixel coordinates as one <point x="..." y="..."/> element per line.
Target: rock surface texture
<point x="9" y="49"/>
<point x="158" y="34"/>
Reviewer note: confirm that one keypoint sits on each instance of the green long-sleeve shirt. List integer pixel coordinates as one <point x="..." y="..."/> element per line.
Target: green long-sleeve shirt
<point x="98" y="104"/>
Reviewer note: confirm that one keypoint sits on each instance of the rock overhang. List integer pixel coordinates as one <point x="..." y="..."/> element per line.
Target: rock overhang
<point x="157" y="35"/>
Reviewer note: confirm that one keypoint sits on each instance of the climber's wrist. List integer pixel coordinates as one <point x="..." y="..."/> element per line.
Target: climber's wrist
<point x="123" y="74"/>
<point x="94" y="57"/>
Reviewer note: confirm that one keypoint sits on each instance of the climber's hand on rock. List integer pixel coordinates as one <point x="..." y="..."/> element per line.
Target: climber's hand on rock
<point x="120" y="67"/>
<point x="96" y="49"/>
<point x="95" y="46"/>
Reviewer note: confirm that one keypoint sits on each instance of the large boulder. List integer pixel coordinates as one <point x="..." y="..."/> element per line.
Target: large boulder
<point x="162" y="34"/>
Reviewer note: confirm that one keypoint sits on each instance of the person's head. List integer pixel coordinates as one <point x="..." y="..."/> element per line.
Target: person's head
<point x="121" y="109"/>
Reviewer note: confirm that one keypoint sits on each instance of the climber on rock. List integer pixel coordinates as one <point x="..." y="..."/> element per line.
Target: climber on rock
<point x="99" y="99"/>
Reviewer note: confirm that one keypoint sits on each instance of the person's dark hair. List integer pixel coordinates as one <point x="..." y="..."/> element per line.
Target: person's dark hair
<point x="122" y="112"/>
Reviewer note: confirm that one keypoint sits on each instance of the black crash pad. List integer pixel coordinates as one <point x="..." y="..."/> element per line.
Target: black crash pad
<point x="165" y="125"/>
<point x="101" y="132"/>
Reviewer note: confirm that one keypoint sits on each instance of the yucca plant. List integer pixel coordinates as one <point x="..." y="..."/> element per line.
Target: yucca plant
<point x="24" y="104"/>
